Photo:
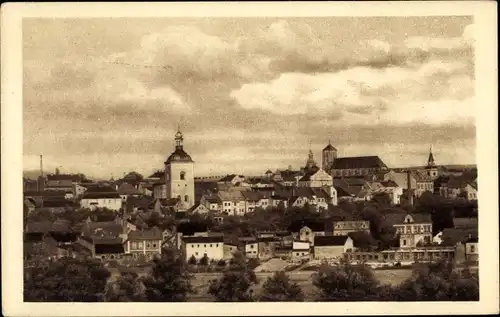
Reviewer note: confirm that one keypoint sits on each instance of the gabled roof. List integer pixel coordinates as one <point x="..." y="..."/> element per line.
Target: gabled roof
<point x="127" y="189"/>
<point x="231" y="196"/>
<point x="103" y="229"/>
<point x="342" y="192"/>
<point x="88" y="195"/>
<point x="228" y="178"/>
<point x="213" y="199"/>
<point x="329" y="147"/>
<point x="452" y="236"/>
<point x="251" y="195"/>
<point x="465" y="222"/>
<point x="358" y="162"/>
<point x="152" y="234"/>
<point x="398" y="218"/>
<point x="209" y="239"/>
<point x="330" y="240"/>
<point x="389" y="183"/>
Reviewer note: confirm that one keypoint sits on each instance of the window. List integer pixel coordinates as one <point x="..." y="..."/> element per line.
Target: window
<point x="148" y="245"/>
<point x="217" y="245"/>
<point x="140" y="244"/>
<point x="186" y="198"/>
<point x="196" y="253"/>
<point x="182" y="176"/>
<point x="210" y="245"/>
<point x="192" y="245"/>
<point x="404" y="241"/>
<point x="472" y="248"/>
<point x="204" y="245"/>
<point x="197" y="245"/>
<point x="251" y="246"/>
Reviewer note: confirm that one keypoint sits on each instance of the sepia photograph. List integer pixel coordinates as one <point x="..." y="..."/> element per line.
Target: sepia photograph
<point x="245" y="158"/>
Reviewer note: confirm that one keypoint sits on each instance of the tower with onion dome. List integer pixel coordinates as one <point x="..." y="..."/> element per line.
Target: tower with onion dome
<point x="179" y="174"/>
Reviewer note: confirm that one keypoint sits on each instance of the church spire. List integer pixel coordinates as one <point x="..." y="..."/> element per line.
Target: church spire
<point x="430" y="160"/>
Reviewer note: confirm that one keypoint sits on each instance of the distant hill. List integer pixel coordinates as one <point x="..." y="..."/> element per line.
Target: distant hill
<point x="449" y="167"/>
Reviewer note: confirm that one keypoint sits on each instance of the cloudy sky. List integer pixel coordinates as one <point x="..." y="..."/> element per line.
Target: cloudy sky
<point x="105" y="96"/>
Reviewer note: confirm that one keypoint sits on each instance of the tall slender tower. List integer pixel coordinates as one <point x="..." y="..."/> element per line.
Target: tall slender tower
<point x="431" y="167"/>
<point x="179" y="174"/>
<point x="41" y="178"/>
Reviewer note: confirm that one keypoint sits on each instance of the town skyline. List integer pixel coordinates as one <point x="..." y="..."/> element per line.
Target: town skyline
<point x="249" y="94"/>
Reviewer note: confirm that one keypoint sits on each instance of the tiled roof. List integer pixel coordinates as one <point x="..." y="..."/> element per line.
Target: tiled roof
<point x="70" y="177"/>
<point x="88" y="195"/>
<point x="389" y="183"/>
<point x="57" y="203"/>
<point x="465" y="223"/>
<point x="209" y="239"/>
<point x="398" y="218"/>
<point x="329" y="147"/>
<point x="358" y="162"/>
<point x="103" y="229"/>
<point x="100" y="188"/>
<point x="46" y="193"/>
<point x="452" y="236"/>
<point x="188" y="228"/>
<point x="228" y="178"/>
<point x="157" y="174"/>
<point x="109" y="248"/>
<point x="152" y="234"/>
<point x="329" y="240"/>
<point x="127" y="189"/>
<point x="251" y="195"/>
<point x="231" y="196"/>
<point x="59" y="225"/>
<point x="341" y="192"/>
<point x="421" y="176"/>
<point x="213" y="199"/>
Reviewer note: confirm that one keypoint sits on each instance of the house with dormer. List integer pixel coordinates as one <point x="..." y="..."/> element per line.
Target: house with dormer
<point x="413" y="229"/>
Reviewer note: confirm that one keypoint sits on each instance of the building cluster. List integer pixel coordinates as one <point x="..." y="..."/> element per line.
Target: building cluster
<point x="175" y="190"/>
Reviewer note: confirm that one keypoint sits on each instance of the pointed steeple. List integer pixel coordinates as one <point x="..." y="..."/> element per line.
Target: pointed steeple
<point x="430" y="160"/>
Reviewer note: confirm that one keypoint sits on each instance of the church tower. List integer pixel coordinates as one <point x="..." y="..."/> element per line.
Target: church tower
<point x="179" y="174"/>
<point x="329" y="156"/>
<point x="431" y="167"/>
<point x="311" y="166"/>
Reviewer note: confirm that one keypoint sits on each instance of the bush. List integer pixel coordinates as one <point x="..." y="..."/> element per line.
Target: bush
<point x="192" y="260"/>
<point x="221" y="263"/>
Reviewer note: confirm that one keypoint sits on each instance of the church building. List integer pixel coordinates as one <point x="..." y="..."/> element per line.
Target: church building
<point x="179" y="174"/>
<point x="350" y="166"/>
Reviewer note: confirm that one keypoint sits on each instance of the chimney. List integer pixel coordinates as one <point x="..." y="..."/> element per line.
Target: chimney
<point x="409" y="192"/>
<point x="41" y="165"/>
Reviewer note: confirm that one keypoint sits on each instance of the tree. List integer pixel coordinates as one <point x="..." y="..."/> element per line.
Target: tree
<point x="279" y="288"/>
<point x="439" y="282"/>
<point x="347" y="282"/>
<point x="65" y="280"/>
<point x="126" y="288"/>
<point x="383" y="200"/>
<point x="192" y="260"/>
<point x="169" y="280"/>
<point x="236" y="282"/>
<point x="204" y="260"/>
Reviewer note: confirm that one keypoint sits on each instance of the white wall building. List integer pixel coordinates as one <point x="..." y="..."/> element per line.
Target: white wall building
<point x="179" y="174"/>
